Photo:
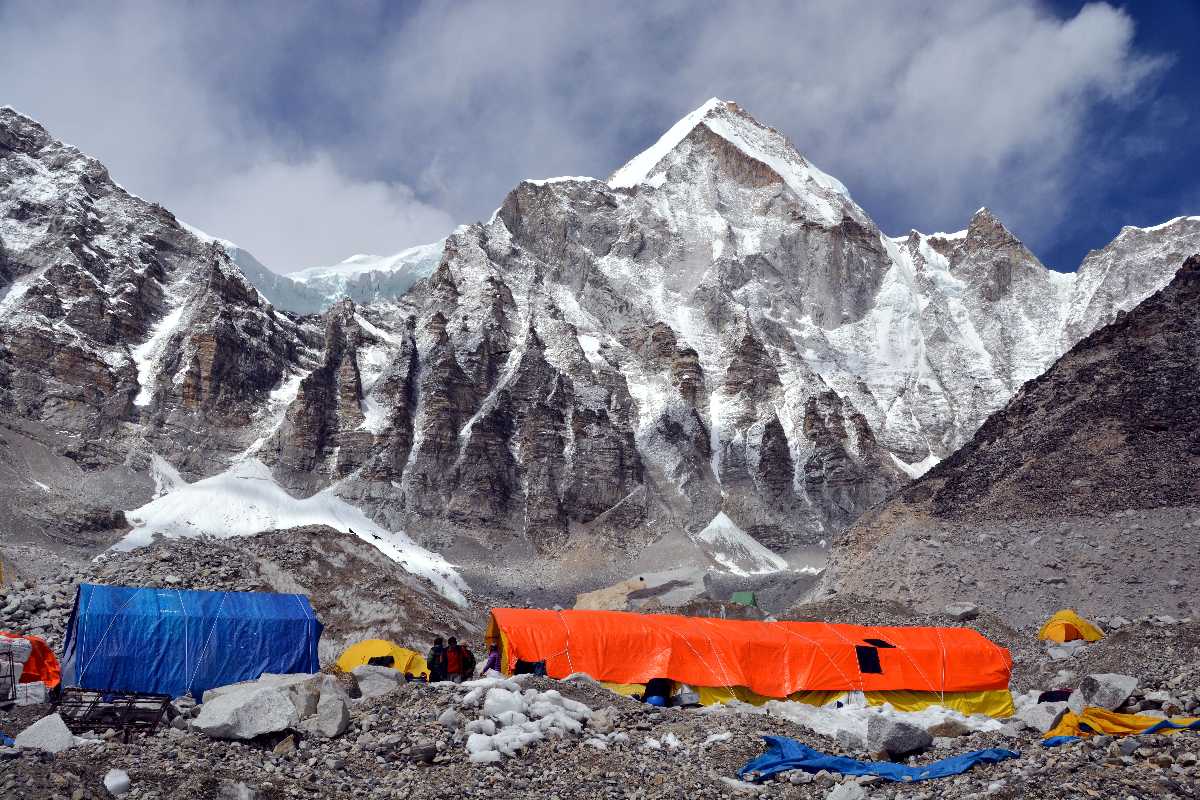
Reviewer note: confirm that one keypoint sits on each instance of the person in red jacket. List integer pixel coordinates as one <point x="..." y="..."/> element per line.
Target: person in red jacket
<point x="454" y="661"/>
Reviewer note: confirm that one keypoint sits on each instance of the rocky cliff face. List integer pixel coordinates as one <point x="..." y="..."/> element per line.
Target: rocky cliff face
<point x="1093" y="466"/>
<point x="717" y="328"/>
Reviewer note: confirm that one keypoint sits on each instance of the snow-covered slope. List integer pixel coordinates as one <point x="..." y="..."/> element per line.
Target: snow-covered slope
<point x="245" y="500"/>
<point x="369" y="279"/>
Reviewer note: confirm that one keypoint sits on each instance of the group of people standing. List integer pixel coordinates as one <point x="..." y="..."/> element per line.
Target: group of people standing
<point x="455" y="662"/>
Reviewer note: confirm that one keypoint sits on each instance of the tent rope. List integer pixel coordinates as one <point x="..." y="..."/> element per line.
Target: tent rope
<point x="100" y="644"/>
<point x="186" y="644"/>
<point x="207" y="641"/>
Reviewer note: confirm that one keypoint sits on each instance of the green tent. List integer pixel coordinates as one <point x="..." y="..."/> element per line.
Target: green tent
<point x="743" y="599"/>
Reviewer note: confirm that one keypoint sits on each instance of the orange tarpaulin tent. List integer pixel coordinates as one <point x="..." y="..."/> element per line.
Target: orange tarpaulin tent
<point x="42" y="665"/>
<point x="773" y="659"/>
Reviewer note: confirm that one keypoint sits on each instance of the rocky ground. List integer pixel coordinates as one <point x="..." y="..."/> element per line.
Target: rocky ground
<point x="395" y="746"/>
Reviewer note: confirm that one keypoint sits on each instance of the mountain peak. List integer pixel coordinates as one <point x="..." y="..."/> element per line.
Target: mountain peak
<point x="731" y="122"/>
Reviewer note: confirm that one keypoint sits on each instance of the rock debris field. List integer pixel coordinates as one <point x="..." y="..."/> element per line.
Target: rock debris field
<point x="540" y="738"/>
<point x="370" y="734"/>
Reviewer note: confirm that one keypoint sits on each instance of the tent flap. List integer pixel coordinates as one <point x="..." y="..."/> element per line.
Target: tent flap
<point x="772" y="659"/>
<point x="174" y="641"/>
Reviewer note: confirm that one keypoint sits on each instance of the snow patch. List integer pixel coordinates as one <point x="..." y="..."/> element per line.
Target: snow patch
<point x="149" y="353"/>
<point x="738" y="551"/>
<point x="245" y="500"/>
<point x="917" y="469"/>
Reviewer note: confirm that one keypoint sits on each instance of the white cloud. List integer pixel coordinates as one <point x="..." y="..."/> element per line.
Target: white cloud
<point x="304" y="137"/>
<point x="308" y="213"/>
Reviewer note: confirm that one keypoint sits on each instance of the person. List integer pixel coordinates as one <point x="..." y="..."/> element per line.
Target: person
<point x="456" y="660"/>
<point x="493" y="659"/>
<point x="436" y="660"/>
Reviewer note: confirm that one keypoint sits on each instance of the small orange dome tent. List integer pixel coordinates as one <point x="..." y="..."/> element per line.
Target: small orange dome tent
<point x="1066" y="626"/>
<point x="755" y="661"/>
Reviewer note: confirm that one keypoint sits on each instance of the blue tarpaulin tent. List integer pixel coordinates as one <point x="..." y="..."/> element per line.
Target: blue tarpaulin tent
<point x="175" y="641"/>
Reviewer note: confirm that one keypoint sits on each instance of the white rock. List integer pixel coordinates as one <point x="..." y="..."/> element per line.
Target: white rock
<point x="375" y="681"/>
<point x="851" y="790"/>
<point x="332" y="717"/>
<point x="485" y="757"/>
<point x="451" y="719"/>
<point x="714" y="738"/>
<point x="479" y="743"/>
<point x="599" y="744"/>
<point x="895" y="736"/>
<point x="245" y="714"/>
<point x="499" y="701"/>
<point x="485" y="726"/>
<point x="1041" y="717"/>
<point x="740" y="787"/>
<point x="116" y="781"/>
<point x="49" y="734"/>
<point x="962" y="612"/>
<point x="1104" y="690"/>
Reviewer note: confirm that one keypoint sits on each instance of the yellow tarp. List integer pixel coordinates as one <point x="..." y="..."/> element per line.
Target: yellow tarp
<point x="1066" y="626"/>
<point x="1100" y="720"/>
<point x="404" y="660"/>
<point x="994" y="703"/>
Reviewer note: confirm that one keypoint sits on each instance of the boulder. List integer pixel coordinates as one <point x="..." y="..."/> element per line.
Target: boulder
<point x="304" y="690"/>
<point x="850" y="790"/>
<point x="332" y="717"/>
<point x="962" y="612"/>
<point x="452" y="720"/>
<point x="950" y="728"/>
<point x="249" y="712"/>
<point x="116" y="782"/>
<point x="1104" y="690"/>
<point x="1041" y="717"/>
<point x="894" y="737"/>
<point x="376" y="681"/>
<point x="49" y="734"/>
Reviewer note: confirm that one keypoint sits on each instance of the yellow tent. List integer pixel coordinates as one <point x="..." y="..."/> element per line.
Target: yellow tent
<point x="1066" y="625"/>
<point x="403" y="659"/>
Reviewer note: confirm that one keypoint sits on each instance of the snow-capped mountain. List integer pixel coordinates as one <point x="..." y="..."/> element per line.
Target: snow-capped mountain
<point x="717" y="331"/>
<point x="369" y="279"/>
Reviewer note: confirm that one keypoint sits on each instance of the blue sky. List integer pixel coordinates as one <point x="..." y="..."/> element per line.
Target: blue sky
<point x="307" y="131"/>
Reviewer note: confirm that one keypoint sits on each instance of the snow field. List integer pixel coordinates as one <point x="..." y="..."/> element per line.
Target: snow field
<point x="245" y="500"/>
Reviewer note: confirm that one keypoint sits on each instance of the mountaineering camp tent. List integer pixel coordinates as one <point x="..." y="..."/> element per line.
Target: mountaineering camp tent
<point x="813" y="662"/>
<point x="1066" y="626"/>
<point x="403" y="659"/>
<point x="174" y="641"/>
<point x="743" y="599"/>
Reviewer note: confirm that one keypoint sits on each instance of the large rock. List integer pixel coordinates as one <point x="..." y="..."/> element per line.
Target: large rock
<point x="49" y="734"/>
<point x="962" y="612"/>
<point x="332" y="717"/>
<point x="247" y="713"/>
<point x="375" y="681"/>
<point x="304" y="690"/>
<point x="1041" y="717"/>
<point x="895" y="738"/>
<point x="1104" y="690"/>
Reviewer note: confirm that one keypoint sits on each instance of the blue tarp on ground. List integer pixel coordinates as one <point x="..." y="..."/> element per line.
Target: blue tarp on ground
<point x="175" y="641"/>
<point x="785" y="754"/>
